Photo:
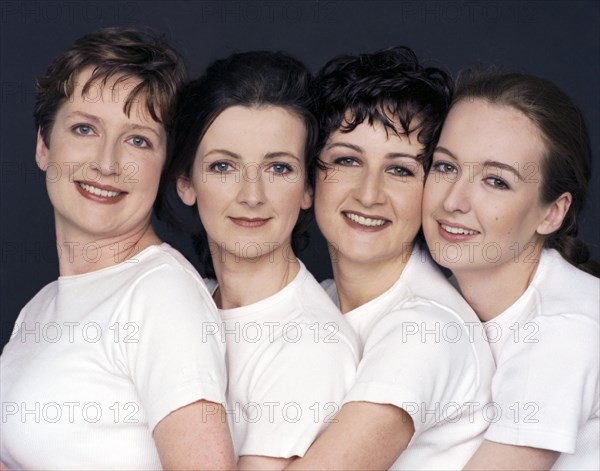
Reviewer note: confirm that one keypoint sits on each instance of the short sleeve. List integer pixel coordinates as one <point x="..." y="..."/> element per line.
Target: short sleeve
<point x="174" y="355"/>
<point x="546" y="383"/>
<point x="419" y="359"/>
<point x="303" y="379"/>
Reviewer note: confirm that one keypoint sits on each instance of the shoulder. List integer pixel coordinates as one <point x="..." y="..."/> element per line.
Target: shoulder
<point x="35" y="308"/>
<point x="329" y="287"/>
<point x="42" y="297"/>
<point x="166" y="265"/>
<point x="563" y="288"/>
<point x="427" y="281"/>
<point x="550" y="340"/>
<point x="423" y="322"/>
<point x="318" y="314"/>
<point x="164" y="281"/>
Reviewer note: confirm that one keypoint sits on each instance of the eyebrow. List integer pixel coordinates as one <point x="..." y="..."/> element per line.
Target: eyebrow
<point x="97" y="119"/>
<point x="277" y="155"/>
<point x="391" y="155"/>
<point x="503" y="166"/>
<point x="233" y="155"/>
<point x="487" y="163"/>
<point x="269" y="155"/>
<point x="89" y="117"/>
<point x="443" y="150"/>
<point x="345" y="144"/>
<point x="135" y="127"/>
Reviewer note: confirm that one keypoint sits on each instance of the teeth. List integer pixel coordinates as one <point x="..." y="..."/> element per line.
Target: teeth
<point x="458" y="230"/>
<point x="365" y="221"/>
<point x="98" y="192"/>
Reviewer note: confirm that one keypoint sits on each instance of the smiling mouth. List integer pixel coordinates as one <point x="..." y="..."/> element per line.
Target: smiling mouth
<point x="458" y="230"/>
<point x="249" y="222"/>
<point x="365" y="221"/>
<point x="98" y="191"/>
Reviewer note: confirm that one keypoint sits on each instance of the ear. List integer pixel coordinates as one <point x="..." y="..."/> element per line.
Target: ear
<point x="307" y="198"/>
<point x="185" y="190"/>
<point x="555" y="214"/>
<point x="41" y="152"/>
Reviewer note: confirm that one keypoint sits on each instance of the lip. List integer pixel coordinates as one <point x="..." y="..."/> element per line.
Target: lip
<point x="362" y="227"/>
<point x="451" y="237"/>
<point x="99" y="198"/>
<point x="249" y="222"/>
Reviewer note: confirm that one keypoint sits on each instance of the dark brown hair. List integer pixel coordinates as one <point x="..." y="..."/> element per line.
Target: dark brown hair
<point x="381" y="86"/>
<point x="567" y="163"/>
<point x="251" y="79"/>
<point x="124" y="52"/>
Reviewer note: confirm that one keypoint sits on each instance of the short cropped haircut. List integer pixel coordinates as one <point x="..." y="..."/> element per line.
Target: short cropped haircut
<point x="122" y="52"/>
<point x="379" y="87"/>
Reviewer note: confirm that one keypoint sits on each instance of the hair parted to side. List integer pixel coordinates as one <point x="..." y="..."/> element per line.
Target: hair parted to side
<point x="567" y="163"/>
<point x="382" y="86"/>
<point x="116" y="51"/>
<point x="251" y="79"/>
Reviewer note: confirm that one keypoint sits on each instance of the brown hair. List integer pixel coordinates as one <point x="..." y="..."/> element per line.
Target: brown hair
<point x="113" y="51"/>
<point x="566" y="165"/>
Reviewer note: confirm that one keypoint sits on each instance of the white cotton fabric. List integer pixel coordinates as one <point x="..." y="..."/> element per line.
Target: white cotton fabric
<point x="425" y="351"/>
<point x="291" y="358"/>
<point x="97" y="360"/>
<point x="546" y="347"/>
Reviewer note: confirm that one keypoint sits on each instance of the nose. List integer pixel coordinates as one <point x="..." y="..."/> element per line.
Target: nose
<point x="368" y="190"/>
<point x="107" y="159"/>
<point x="458" y="197"/>
<point x="252" y="191"/>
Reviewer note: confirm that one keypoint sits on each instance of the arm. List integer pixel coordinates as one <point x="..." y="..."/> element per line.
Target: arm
<point x="265" y="463"/>
<point x="497" y="456"/>
<point x="311" y="377"/>
<point x="195" y="436"/>
<point x="363" y="436"/>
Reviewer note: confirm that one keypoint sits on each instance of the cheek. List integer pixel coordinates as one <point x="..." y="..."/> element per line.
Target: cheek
<point x="433" y="195"/>
<point x="211" y="195"/>
<point x="289" y="196"/>
<point x="407" y="204"/>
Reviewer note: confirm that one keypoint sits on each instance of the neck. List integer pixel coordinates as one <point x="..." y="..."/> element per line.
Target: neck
<point x="490" y="291"/>
<point x="243" y="281"/>
<point x="358" y="283"/>
<point x="84" y="253"/>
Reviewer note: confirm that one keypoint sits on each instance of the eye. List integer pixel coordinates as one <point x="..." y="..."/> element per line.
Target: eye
<point x="346" y="162"/>
<point x="82" y="129"/>
<point x="400" y="171"/>
<point x="497" y="183"/>
<point x="443" y="167"/>
<point x="220" y="167"/>
<point x="281" y="168"/>
<point x="139" y="141"/>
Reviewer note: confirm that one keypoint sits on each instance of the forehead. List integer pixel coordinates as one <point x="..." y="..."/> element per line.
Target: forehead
<point x="265" y="125"/>
<point x="367" y="134"/>
<point x="479" y="127"/>
<point x="112" y="93"/>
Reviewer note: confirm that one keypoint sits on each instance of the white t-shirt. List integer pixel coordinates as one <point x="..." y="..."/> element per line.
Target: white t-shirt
<point x="546" y="349"/>
<point x="425" y="351"/>
<point x="291" y="358"/>
<point x="97" y="360"/>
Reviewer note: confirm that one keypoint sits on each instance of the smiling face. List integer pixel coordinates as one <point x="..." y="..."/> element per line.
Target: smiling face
<point x="248" y="180"/>
<point x="102" y="166"/>
<point x="481" y="207"/>
<point x="368" y="201"/>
